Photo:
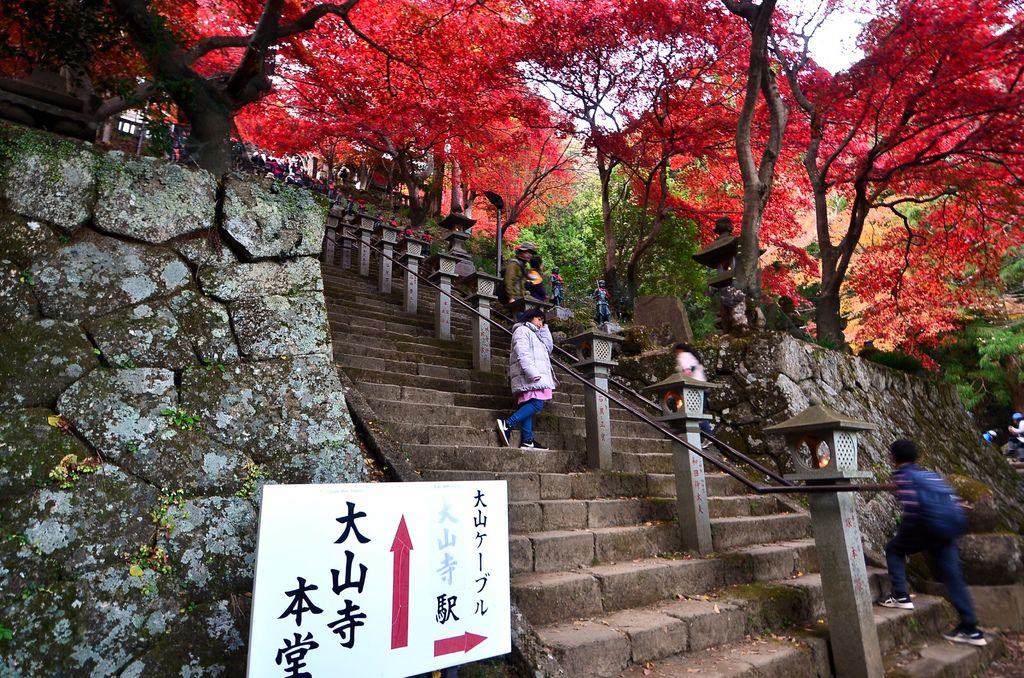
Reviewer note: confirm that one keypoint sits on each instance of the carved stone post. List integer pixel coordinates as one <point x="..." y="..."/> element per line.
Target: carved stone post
<point x="443" y="277"/>
<point x="363" y="230"/>
<point x="411" y="251"/>
<point x="682" y="408"/>
<point x="348" y="245"/>
<point x="387" y="237"/>
<point x="332" y="234"/>
<point x="480" y="286"/>
<point x="823" y="446"/>
<point x="594" y="352"/>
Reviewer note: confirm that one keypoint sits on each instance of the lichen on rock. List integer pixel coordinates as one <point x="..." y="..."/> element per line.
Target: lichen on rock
<point x="97" y="275"/>
<point x="152" y="200"/>
<point x="47" y="177"/>
<point x="274" y="326"/>
<point x="233" y="282"/>
<point x="41" y="358"/>
<point x="17" y="303"/>
<point x="268" y="218"/>
<point x="30" y="447"/>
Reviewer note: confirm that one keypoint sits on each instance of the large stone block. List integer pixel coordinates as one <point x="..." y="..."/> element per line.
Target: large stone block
<point x="29" y="449"/>
<point x="275" y="326"/>
<point x="232" y="282"/>
<point x="657" y="311"/>
<point x="201" y="252"/>
<point x="48" y="177"/>
<point x="278" y="409"/>
<point x="271" y="219"/>
<point x="147" y="335"/>
<point x="207" y="326"/>
<point x="992" y="559"/>
<point x="41" y="358"/>
<point x="16" y="300"/>
<point x="23" y="240"/>
<point x="187" y="459"/>
<point x="213" y="544"/>
<point x="97" y="275"/>
<point x="116" y="411"/>
<point x="153" y="200"/>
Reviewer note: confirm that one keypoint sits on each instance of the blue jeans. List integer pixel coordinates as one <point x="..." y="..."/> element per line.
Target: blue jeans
<point x="524" y="417"/>
<point x="945" y="561"/>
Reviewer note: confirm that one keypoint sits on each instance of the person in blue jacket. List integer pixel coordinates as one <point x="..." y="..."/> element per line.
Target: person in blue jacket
<point x="916" y="535"/>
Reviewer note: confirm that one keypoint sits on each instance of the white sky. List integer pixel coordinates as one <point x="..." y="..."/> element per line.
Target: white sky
<point x="834" y="44"/>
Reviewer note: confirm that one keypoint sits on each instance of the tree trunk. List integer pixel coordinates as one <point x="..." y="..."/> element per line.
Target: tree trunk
<point x="604" y="171"/>
<point x="827" y="318"/>
<point x="435" y="194"/>
<point x="456" y="187"/>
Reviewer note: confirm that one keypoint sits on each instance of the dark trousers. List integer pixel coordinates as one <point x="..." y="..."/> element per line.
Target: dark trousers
<point x="945" y="562"/>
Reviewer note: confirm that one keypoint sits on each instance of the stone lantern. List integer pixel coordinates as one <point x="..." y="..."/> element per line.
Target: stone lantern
<point x="594" y="351"/>
<point x="682" y="400"/>
<point x="459" y="227"/>
<point x="720" y="255"/>
<point x="823" y="445"/>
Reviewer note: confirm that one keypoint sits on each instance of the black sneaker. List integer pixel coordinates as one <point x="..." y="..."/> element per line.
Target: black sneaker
<point x="503" y="432"/>
<point x="968" y="636"/>
<point x="532" y="445"/>
<point x="901" y="603"/>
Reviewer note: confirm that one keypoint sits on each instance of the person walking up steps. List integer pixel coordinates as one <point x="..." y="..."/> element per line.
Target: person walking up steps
<point x="533" y="380"/>
<point x="932" y="519"/>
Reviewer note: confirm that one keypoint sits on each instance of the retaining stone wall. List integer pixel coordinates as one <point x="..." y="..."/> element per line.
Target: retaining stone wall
<point x="768" y="377"/>
<point x="150" y="383"/>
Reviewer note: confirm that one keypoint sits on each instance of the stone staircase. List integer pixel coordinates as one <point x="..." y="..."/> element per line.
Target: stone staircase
<point x="595" y="555"/>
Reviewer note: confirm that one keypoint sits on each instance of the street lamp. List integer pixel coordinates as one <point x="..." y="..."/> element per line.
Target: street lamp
<point x="499" y="205"/>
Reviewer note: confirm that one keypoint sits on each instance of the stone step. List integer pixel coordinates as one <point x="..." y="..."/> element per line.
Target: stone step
<point x="681" y="629"/>
<point x="472" y="386"/>
<point x="562" y="550"/>
<point x="348" y="320"/>
<point x="577" y="514"/>
<point x="414" y="397"/>
<point x="730" y="533"/>
<point x="491" y="459"/>
<point x="554" y="486"/>
<point x="938" y="658"/>
<point x="555" y="417"/>
<point x="763" y="658"/>
<point x="552" y="597"/>
<point x="381" y="352"/>
<point x="719" y="484"/>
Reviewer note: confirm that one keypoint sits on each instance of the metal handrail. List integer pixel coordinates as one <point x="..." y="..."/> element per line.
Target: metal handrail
<point x="785" y="488"/>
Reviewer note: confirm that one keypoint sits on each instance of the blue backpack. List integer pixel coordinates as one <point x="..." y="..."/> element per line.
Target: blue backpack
<point x="940" y="507"/>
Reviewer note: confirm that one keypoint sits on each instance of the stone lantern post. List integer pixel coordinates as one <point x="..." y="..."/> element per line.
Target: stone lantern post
<point x="720" y="255"/>
<point x="480" y="286"/>
<point x="387" y="237"/>
<point x="823" y="446"/>
<point x="594" y="350"/>
<point x="682" y="408"/>
<point x="348" y="244"/>
<point x="459" y="226"/>
<point x="363" y="229"/>
<point x="332" y="234"/>
<point x="443" y="275"/>
<point x="411" y="251"/>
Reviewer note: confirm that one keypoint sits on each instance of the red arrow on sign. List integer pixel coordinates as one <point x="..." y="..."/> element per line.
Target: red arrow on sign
<point x="464" y="643"/>
<point x="400" y="587"/>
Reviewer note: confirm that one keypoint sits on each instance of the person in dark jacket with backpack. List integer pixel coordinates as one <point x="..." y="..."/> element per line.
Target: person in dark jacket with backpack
<point x="514" y="277"/>
<point x="932" y="519"/>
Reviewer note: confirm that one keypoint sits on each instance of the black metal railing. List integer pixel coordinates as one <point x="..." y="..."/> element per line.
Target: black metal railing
<point x="785" y="486"/>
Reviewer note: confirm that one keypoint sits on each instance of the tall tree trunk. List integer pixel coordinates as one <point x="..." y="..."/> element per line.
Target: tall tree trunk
<point x="417" y="205"/>
<point x="435" y="194"/>
<point x="757" y="177"/>
<point x="456" y="187"/>
<point x="605" y="166"/>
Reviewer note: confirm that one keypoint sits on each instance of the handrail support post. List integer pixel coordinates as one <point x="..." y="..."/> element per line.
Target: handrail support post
<point x="443" y="277"/>
<point x="410" y="252"/>
<point x="481" y="286"/>
<point x="363" y="230"/>
<point x="595" y="350"/>
<point x="387" y="237"/>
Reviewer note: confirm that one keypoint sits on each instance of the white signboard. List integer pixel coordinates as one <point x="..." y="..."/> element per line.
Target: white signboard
<point x="379" y="579"/>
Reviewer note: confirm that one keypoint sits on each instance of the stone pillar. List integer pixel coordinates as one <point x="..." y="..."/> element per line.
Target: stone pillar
<point x="348" y="245"/>
<point x="845" y="585"/>
<point x="682" y="404"/>
<point x="363" y="230"/>
<point x="443" y="277"/>
<point x="594" y="352"/>
<point x="411" y="251"/>
<point x="480" y="286"/>
<point x="332" y="234"/>
<point x="387" y="237"/>
<point x="823" y="446"/>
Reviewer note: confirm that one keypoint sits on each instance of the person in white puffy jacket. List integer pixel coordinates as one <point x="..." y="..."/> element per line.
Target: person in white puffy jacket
<point x="533" y="380"/>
